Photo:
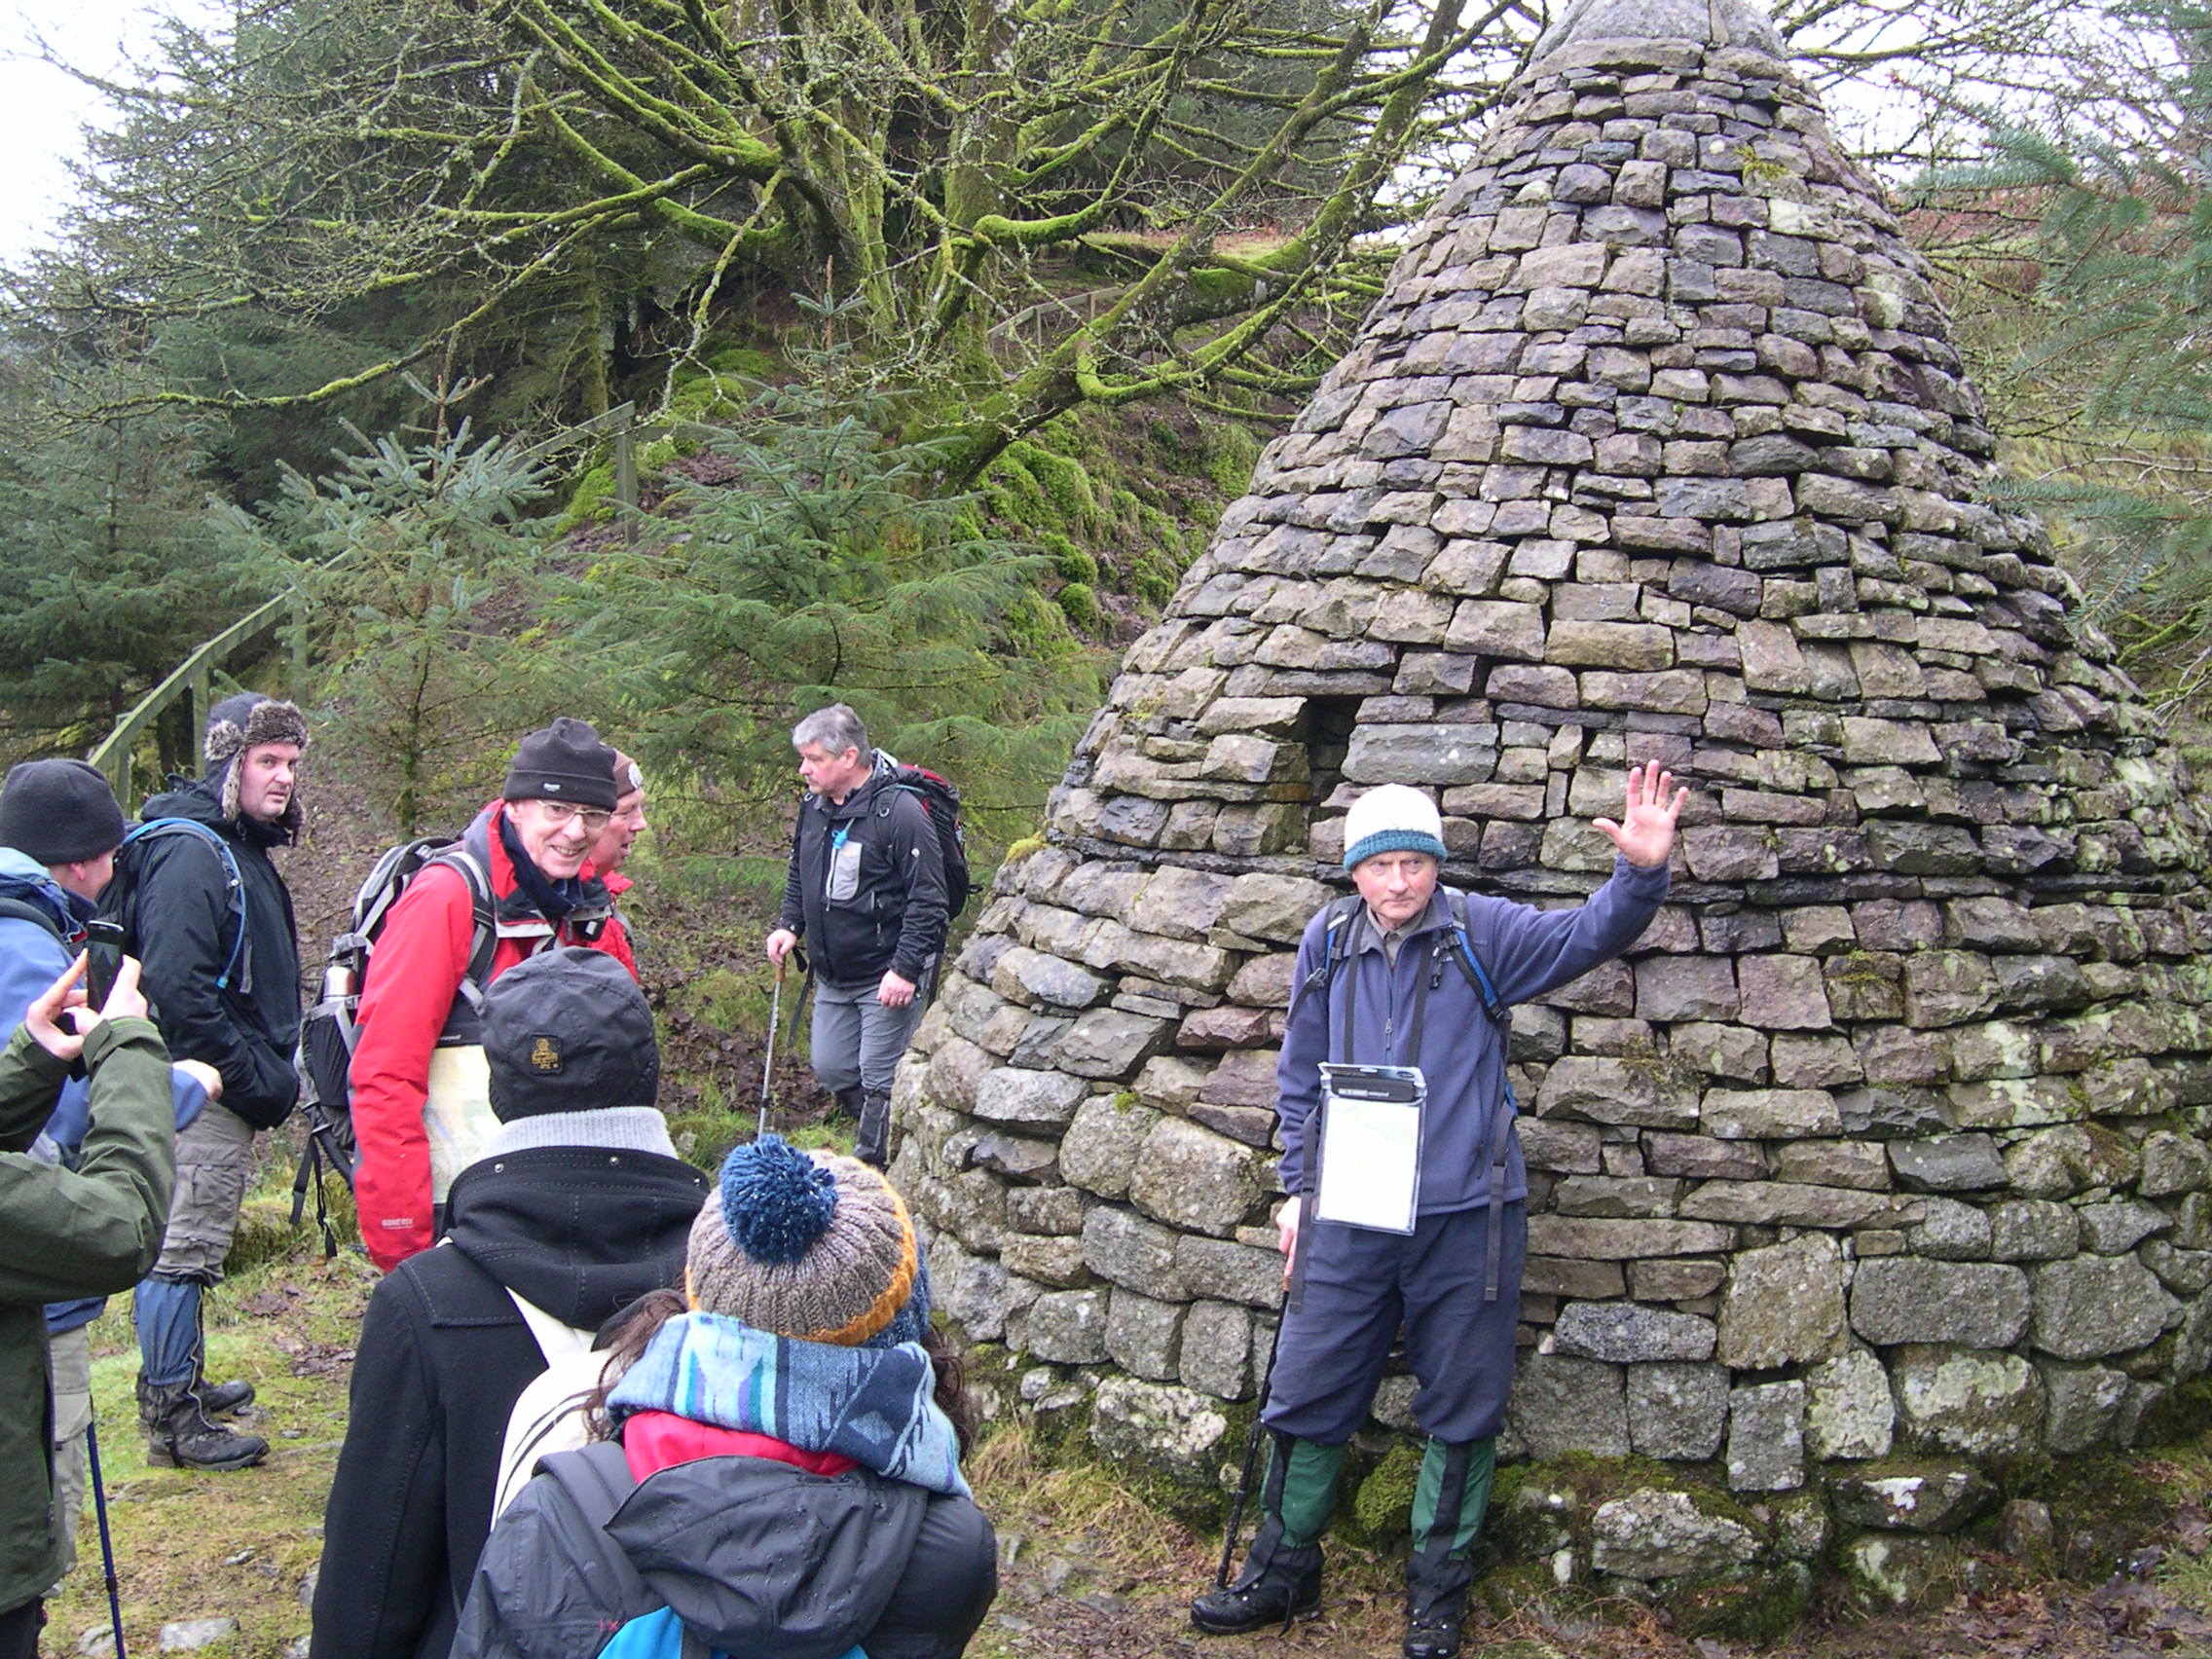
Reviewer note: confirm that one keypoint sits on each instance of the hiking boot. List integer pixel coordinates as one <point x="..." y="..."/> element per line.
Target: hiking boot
<point x="1436" y="1601"/>
<point x="1280" y="1582"/>
<point x="220" y="1399"/>
<point x="871" y="1141"/>
<point x="180" y="1435"/>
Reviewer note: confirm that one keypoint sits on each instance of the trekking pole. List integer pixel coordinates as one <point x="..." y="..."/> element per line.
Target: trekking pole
<point x="107" y="1544"/>
<point x="768" y="1061"/>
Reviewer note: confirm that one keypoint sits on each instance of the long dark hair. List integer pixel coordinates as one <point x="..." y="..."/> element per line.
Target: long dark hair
<point x="633" y="1329"/>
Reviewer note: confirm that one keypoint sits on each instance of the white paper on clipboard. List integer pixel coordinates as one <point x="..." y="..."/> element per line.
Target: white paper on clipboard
<point x="1369" y="1171"/>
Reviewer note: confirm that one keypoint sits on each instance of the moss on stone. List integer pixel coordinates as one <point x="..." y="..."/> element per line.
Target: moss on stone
<point x="1758" y="1608"/>
<point x="1078" y="604"/>
<point x="1383" y="1506"/>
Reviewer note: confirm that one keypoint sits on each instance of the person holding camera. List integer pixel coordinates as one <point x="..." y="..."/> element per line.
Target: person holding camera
<point x="60" y="826"/>
<point x="90" y="1231"/>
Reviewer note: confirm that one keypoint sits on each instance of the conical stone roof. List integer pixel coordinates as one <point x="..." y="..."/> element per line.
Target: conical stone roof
<point x="1886" y="1133"/>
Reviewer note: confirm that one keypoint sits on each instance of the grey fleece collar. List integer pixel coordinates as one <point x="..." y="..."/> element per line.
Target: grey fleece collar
<point x="613" y="1129"/>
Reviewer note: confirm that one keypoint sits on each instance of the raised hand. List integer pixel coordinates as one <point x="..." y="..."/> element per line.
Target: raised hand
<point x="1645" y="832"/>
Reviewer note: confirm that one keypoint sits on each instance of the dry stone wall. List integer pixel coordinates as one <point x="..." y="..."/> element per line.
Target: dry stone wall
<point x="1885" y="1138"/>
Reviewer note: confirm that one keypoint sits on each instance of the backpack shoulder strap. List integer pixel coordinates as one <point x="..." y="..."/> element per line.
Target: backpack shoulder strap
<point x="156" y="829"/>
<point x="486" y="938"/>
<point x="1336" y="945"/>
<point x="24" y="910"/>
<point x="1462" y="953"/>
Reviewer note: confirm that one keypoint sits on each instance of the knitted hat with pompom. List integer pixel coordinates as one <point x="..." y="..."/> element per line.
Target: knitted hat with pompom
<point x="812" y="1245"/>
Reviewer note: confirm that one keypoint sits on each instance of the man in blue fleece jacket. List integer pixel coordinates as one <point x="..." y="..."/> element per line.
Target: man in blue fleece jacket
<point x="1378" y="984"/>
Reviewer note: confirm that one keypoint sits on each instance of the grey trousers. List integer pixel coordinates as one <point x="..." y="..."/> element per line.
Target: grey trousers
<point x="72" y="1417"/>
<point x="857" y="1040"/>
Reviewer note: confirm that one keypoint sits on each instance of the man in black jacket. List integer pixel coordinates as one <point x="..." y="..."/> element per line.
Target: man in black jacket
<point x="577" y="1207"/>
<point x="209" y="916"/>
<point x="866" y="890"/>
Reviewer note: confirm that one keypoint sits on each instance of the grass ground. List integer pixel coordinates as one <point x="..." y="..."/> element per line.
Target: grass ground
<point x="1088" y="1568"/>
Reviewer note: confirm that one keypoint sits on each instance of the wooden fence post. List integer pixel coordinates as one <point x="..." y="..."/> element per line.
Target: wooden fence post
<point x="626" y="481"/>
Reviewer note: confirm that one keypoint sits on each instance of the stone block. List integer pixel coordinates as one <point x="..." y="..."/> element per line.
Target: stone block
<point x="1769" y="1114"/>
<point x="1216" y="1355"/>
<point x="1704" y="1158"/>
<point x="1832" y="1163"/>
<point x="2092" y="1305"/>
<point x="1766" y="1437"/>
<point x="1964" y="1303"/>
<point x="1947" y="1163"/>
<point x="2082" y="1405"/>
<point x="1099" y="1150"/>
<point x="1784" y="1306"/>
<point x="2036" y="1229"/>
<point x="1628" y="646"/>
<point x="1124" y="1248"/>
<point x="1686" y="988"/>
<point x="1976" y="1404"/>
<point x="1142" y="1335"/>
<point x="1030" y="977"/>
<point x="1653" y="1534"/>
<point x="1050" y="1211"/>
<point x="1067" y="1327"/>
<point x="1105" y="1043"/>
<point x="1178" y="902"/>
<point x="1624" y="1240"/>
<point x="1274" y="908"/>
<point x="2119" y="1225"/>
<point x="1192" y="1179"/>
<point x="1673" y="1281"/>
<point x="1785" y="992"/>
<point x="1230" y="1271"/>
<point x="1049" y="1261"/>
<point x="1912" y="1496"/>
<point x="1771" y="1203"/>
<point x="1627" y="1332"/>
<point x="1676" y="1411"/>
<point x="1559" y="1275"/>
<point x="1947" y="987"/>
<point x="1435" y="754"/>
<point x="1608" y="1090"/>
<point x="1849" y="1412"/>
<point x="1160" y="1429"/>
<point x="1951" y="1231"/>
<point x="1560" y="1404"/>
<point x="1495" y="628"/>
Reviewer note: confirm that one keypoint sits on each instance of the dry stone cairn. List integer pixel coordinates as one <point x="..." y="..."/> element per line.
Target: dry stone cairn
<point x="1875" y="1167"/>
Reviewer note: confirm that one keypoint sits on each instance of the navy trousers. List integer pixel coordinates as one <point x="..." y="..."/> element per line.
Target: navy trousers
<point x="1360" y="1284"/>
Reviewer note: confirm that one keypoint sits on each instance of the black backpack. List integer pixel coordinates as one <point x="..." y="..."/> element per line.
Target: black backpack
<point x="328" y="1030"/>
<point x="941" y="801"/>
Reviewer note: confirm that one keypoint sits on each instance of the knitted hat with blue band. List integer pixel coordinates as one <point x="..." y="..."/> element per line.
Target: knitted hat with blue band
<point x="1392" y="818"/>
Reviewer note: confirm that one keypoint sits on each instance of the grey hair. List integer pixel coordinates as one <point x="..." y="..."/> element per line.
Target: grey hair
<point x="835" y="728"/>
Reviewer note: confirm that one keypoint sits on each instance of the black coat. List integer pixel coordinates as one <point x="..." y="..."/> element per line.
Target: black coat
<point x="177" y="905"/>
<point x="896" y="915"/>
<point x="753" y="1555"/>
<point x="581" y="1231"/>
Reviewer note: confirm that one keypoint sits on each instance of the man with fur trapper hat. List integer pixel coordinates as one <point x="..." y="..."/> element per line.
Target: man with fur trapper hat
<point x="577" y="1207"/>
<point x="208" y="914"/>
<point x="521" y="882"/>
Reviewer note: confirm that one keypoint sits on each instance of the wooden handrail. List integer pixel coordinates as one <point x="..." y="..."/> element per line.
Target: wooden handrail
<point x="112" y="754"/>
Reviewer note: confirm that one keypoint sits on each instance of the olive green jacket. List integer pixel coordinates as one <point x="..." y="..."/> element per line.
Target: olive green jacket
<point x="89" y="1231"/>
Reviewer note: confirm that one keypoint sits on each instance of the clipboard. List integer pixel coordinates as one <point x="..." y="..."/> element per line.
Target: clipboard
<point x="1367" y="1171"/>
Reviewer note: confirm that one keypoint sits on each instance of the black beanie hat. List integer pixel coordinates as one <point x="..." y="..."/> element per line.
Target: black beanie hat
<point x="57" y="812"/>
<point x="567" y="1030"/>
<point x="564" y="761"/>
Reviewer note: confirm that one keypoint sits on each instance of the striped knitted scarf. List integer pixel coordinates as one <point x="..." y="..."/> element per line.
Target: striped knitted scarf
<point x="871" y="1405"/>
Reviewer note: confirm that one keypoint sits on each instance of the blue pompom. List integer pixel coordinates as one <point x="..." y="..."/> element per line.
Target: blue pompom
<point x="776" y="1201"/>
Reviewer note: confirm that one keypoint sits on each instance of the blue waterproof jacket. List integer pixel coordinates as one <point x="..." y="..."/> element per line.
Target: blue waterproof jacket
<point x="1527" y="952"/>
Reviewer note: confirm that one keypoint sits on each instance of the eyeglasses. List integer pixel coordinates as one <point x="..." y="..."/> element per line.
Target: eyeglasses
<point x="560" y="812"/>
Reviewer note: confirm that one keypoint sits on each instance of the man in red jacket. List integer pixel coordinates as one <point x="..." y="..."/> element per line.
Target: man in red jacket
<point x="521" y="882"/>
